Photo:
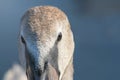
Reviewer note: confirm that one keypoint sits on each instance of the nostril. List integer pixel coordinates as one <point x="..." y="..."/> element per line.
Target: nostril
<point x="45" y="65"/>
<point x="38" y="71"/>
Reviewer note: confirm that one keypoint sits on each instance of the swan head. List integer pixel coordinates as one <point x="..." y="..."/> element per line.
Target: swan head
<point x="46" y="43"/>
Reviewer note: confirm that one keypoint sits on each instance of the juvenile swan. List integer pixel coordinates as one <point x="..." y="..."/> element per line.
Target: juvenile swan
<point x="46" y="44"/>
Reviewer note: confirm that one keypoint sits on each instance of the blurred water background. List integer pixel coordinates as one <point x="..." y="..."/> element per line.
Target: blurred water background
<point x="96" y="28"/>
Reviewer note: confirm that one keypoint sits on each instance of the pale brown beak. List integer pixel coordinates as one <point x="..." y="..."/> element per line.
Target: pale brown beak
<point x="49" y="73"/>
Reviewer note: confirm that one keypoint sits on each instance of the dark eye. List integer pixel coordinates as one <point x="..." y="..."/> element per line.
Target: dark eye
<point x="22" y="39"/>
<point x="59" y="36"/>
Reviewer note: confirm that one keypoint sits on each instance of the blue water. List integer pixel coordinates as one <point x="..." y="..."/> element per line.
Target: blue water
<point x="96" y="31"/>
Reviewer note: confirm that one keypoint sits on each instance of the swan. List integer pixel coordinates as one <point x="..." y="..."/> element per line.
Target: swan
<point x="46" y="44"/>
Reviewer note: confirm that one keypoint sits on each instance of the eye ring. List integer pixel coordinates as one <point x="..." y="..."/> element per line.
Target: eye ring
<point x="59" y="36"/>
<point x="22" y="39"/>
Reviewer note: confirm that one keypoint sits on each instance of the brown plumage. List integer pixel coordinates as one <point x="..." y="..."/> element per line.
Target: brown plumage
<point x="46" y="44"/>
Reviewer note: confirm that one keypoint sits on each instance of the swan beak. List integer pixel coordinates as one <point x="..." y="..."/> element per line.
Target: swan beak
<point x="49" y="72"/>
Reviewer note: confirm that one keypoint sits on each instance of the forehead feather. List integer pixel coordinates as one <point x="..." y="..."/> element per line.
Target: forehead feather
<point x="43" y="18"/>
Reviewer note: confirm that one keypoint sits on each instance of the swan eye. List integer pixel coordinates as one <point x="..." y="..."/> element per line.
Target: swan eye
<point x="59" y="36"/>
<point x="22" y="39"/>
